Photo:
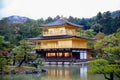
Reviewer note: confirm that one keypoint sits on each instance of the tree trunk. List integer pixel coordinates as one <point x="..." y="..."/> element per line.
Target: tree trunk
<point x="14" y="60"/>
<point x="106" y="76"/>
<point x="22" y="61"/>
<point x="118" y="75"/>
<point x="111" y="76"/>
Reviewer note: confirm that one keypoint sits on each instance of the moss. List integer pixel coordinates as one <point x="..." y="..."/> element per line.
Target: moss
<point x="18" y="69"/>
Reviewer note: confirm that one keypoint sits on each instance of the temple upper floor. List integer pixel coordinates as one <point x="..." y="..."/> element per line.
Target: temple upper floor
<point x="60" y="27"/>
<point x="60" y="31"/>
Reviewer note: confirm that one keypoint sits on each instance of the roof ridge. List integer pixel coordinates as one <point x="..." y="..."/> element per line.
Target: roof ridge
<point x="60" y="22"/>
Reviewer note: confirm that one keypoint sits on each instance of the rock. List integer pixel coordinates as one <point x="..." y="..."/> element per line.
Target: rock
<point x="28" y="72"/>
<point x="13" y="71"/>
<point x="3" y="72"/>
<point x="36" y="71"/>
<point x="43" y="70"/>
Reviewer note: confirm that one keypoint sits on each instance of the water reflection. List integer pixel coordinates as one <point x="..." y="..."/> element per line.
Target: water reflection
<point x="67" y="72"/>
<point x="58" y="73"/>
<point x="83" y="72"/>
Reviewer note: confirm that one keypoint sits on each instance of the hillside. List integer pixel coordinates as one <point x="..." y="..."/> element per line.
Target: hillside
<point x="17" y="19"/>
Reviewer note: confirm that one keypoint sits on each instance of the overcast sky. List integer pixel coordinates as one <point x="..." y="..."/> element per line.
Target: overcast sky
<point x="36" y="9"/>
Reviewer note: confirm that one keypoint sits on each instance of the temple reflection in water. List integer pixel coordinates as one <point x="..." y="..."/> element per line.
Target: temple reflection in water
<point x="66" y="73"/>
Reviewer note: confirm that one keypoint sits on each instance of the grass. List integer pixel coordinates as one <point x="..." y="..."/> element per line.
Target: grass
<point x="18" y="69"/>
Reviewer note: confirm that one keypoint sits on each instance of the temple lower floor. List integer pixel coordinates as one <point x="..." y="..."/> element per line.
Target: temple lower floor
<point x="63" y="55"/>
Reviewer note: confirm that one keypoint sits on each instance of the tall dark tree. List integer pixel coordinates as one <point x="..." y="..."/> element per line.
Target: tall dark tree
<point x="99" y="18"/>
<point x="48" y="20"/>
<point x="116" y="23"/>
<point x="107" y="23"/>
<point x="57" y="17"/>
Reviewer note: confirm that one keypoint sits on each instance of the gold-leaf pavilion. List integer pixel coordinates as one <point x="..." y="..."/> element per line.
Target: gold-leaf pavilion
<point x="61" y="43"/>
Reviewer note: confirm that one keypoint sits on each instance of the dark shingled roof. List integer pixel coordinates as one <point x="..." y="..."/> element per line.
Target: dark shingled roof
<point x="57" y="37"/>
<point x="60" y="22"/>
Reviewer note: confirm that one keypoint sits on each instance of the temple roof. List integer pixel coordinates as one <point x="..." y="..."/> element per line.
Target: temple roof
<point x="60" y="22"/>
<point x="58" y="37"/>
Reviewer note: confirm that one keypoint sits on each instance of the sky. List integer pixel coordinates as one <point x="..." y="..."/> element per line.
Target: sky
<point x="36" y="9"/>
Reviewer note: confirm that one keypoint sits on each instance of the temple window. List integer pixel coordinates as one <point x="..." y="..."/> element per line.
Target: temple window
<point x="51" y="31"/>
<point x="61" y="31"/>
<point x="66" y="54"/>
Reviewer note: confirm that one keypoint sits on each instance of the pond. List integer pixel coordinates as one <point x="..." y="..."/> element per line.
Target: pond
<point x="58" y="72"/>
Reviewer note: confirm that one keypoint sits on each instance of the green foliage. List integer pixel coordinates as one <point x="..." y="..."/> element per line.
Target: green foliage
<point x="96" y="27"/>
<point x="17" y="53"/>
<point x="26" y="46"/>
<point x="99" y="35"/>
<point x="14" y="32"/>
<point x="108" y="23"/>
<point x="102" y="66"/>
<point x="98" y="63"/>
<point x="22" y="52"/>
<point x="90" y="44"/>
<point x="87" y="33"/>
<point x="3" y="44"/>
<point x="38" y="62"/>
<point x="84" y="21"/>
<point x="3" y="62"/>
<point x="110" y="45"/>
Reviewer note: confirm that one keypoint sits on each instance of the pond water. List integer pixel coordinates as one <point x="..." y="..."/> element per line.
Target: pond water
<point x="74" y="72"/>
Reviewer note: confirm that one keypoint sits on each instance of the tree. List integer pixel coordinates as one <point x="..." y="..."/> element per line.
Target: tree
<point x="22" y="52"/>
<point x="16" y="54"/>
<point x="99" y="36"/>
<point x="111" y="46"/>
<point x="102" y="66"/>
<point x="3" y="44"/>
<point x="85" y="22"/>
<point x="115" y="23"/>
<point x="38" y="63"/>
<point x="87" y="33"/>
<point x="3" y="47"/>
<point x="57" y="17"/>
<point x="14" y="32"/>
<point x="48" y="20"/>
<point x="96" y="27"/>
<point x="3" y="62"/>
<point x="107" y="23"/>
<point x="99" y="18"/>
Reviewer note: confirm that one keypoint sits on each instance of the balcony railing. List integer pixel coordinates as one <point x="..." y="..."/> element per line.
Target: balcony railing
<point x="49" y="47"/>
<point x="61" y="33"/>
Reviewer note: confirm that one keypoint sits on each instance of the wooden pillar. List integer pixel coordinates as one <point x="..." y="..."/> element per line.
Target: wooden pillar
<point x="58" y="54"/>
<point x="71" y="55"/>
<point x="63" y="54"/>
<point x="55" y="54"/>
<point x="46" y="55"/>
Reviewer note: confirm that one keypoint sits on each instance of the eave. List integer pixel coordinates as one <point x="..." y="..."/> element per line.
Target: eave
<point x="59" y="37"/>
